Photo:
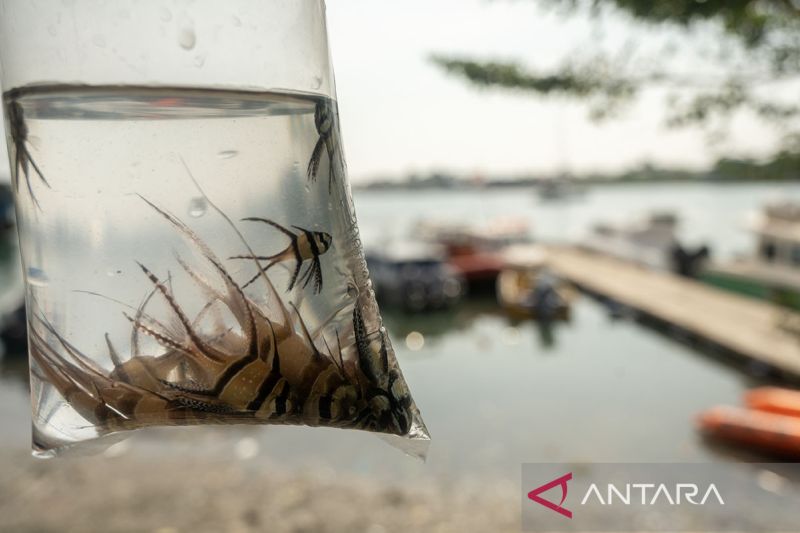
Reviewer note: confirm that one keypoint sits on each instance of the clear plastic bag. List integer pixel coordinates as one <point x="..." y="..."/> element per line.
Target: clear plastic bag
<point x="191" y="253"/>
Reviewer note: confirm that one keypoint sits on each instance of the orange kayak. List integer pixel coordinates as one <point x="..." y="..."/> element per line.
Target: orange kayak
<point x="774" y="400"/>
<point x="759" y="430"/>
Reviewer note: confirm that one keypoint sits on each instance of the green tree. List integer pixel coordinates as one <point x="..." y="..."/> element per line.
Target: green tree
<point x="744" y="57"/>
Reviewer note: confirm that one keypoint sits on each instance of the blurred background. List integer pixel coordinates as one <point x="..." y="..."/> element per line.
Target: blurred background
<point x="582" y="220"/>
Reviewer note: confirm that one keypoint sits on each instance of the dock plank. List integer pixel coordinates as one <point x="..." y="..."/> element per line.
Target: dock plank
<point x="747" y="327"/>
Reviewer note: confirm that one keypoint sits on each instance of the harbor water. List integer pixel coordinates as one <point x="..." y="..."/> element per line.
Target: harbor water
<point x="494" y="393"/>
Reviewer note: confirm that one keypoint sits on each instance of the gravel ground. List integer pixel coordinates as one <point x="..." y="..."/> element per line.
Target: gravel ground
<point x="139" y="494"/>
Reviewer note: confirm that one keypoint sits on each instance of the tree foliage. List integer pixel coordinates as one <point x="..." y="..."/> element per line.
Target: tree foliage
<point x="753" y="67"/>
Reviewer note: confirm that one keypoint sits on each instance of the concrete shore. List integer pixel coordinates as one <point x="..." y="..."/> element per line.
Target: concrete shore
<point x="132" y="493"/>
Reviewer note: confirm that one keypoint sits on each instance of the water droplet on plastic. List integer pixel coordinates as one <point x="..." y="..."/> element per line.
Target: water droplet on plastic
<point x="99" y="40"/>
<point x="317" y="82"/>
<point x="198" y="207"/>
<point x="227" y="154"/>
<point x="187" y="38"/>
<point x="113" y="272"/>
<point x="52" y="30"/>
<point x="236" y="21"/>
<point x="165" y="14"/>
<point x="199" y="61"/>
<point x="37" y="277"/>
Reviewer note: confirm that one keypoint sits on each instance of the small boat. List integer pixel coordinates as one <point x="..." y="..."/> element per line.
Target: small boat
<point x="414" y="277"/>
<point x="772" y="271"/>
<point x="758" y="430"/>
<point x="14" y="332"/>
<point x="652" y="243"/>
<point x="475" y="251"/>
<point x="774" y="400"/>
<point x="527" y="289"/>
<point x="560" y="189"/>
<point x="7" y="217"/>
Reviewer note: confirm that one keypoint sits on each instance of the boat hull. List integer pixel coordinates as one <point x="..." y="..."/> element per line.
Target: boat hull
<point x="774" y="400"/>
<point x="516" y="295"/>
<point x="757" y="430"/>
<point x="755" y="287"/>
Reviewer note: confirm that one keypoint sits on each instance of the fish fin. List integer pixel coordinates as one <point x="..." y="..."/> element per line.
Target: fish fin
<point x="317" y="275"/>
<point x="256" y="257"/>
<point x="296" y="273"/>
<point x="305" y="330"/>
<point x="272" y="223"/>
<point x="331" y="146"/>
<point x="35" y="166"/>
<point x="316" y="156"/>
<point x="261" y="271"/>
<point x="237" y="301"/>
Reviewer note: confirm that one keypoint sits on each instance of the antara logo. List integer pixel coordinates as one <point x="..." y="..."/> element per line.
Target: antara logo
<point x="562" y="481"/>
<point x="661" y="493"/>
<point x="631" y="494"/>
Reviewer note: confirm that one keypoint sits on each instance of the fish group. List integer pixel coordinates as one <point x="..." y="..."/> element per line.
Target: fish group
<point x="268" y="369"/>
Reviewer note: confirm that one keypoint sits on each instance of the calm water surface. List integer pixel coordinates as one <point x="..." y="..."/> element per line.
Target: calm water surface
<point x="495" y="394"/>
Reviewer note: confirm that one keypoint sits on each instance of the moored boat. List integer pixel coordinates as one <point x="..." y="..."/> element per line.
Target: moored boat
<point x="561" y="188"/>
<point x="475" y="251"/>
<point x="651" y="242"/>
<point x="526" y="288"/>
<point x="774" y="400"/>
<point x="772" y="271"/>
<point x="414" y="277"/>
<point x="14" y="332"/>
<point x="757" y="430"/>
<point x="647" y="242"/>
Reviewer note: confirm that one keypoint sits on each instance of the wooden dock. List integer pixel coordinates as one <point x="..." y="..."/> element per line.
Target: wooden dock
<point x="738" y="326"/>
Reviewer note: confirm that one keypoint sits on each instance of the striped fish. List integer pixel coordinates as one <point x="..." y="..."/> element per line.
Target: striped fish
<point x="21" y="158"/>
<point x="305" y="245"/>
<point x="325" y="122"/>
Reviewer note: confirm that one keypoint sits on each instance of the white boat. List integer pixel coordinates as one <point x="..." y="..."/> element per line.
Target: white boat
<point x="772" y="270"/>
<point x="649" y="242"/>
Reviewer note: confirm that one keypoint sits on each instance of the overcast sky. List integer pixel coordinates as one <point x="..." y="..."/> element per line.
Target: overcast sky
<point x="401" y="114"/>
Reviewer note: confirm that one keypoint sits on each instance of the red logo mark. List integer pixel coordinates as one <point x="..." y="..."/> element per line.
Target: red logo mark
<point x="562" y="481"/>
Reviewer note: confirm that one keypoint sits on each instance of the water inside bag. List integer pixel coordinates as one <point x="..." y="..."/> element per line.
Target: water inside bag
<point x="192" y="256"/>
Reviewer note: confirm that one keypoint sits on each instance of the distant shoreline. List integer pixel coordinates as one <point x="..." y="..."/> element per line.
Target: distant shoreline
<point x="466" y="185"/>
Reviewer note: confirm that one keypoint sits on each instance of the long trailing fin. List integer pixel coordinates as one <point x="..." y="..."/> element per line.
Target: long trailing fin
<point x="139" y="311"/>
<point x="112" y="352"/>
<point x="220" y="212"/>
<point x="30" y="159"/>
<point x="236" y="295"/>
<point x="207" y="350"/>
<point x="305" y="331"/>
<point x="272" y="223"/>
<point x="316" y="156"/>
